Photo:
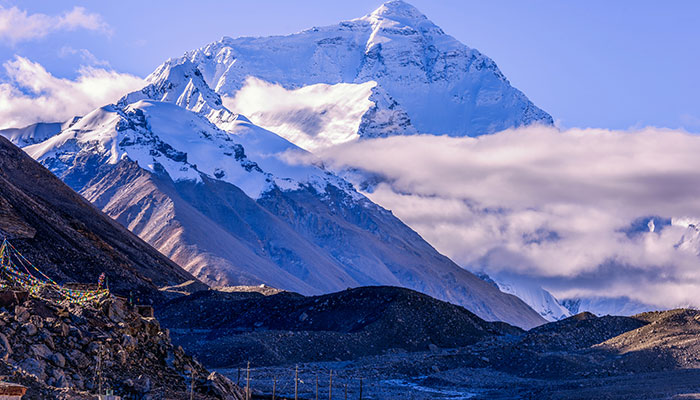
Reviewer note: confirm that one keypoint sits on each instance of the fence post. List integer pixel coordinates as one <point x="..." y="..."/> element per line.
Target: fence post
<point x="360" y="388"/>
<point x="247" y="382"/>
<point x="274" y="386"/>
<point x="330" y="386"/>
<point x="296" y="383"/>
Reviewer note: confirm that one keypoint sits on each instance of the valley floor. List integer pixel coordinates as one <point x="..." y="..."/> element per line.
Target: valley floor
<point x="405" y="376"/>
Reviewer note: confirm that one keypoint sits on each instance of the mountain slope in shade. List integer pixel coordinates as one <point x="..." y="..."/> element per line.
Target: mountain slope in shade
<point x="229" y="207"/>
<point x="403" y="72"/>
<point x="70" y="240"/>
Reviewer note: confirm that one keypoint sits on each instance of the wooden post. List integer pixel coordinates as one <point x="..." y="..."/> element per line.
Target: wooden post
<point x="192" y="383"/>
<point x="346" y="391"/>
<point x="330" y="386"/>
<point x="296" y="383"/>
<point x="317" y="386"/>
<point x="360" y="388"/>
<point x="247" y="382"/>
<point x="274" y="386"/>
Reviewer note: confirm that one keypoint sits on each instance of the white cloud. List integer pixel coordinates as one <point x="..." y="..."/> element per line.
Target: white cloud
<point x="16" y="25"/>
<point x="84" y="54"/>
<point x="32" y="94"/>
<point x="553" y="205"/>
<point x="311" y="117"/>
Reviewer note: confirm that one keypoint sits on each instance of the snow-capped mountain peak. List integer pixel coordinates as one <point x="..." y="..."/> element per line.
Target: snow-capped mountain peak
<point x="181" y="83"/>
<point x="434" y="83"/>
<point x="398" y="10"/>
<point x="397" y="16"/>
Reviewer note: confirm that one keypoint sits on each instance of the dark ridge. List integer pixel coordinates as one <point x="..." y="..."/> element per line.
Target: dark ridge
<point x="289" y="327"/>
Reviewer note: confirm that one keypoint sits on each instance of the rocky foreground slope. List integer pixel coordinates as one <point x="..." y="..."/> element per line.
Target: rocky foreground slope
<point x="70" y="352"/>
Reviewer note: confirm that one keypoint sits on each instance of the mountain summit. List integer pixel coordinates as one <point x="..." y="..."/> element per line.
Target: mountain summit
<point x="391" y="72"/>
<point x="397" y="12"/>
<point x="398" y="9"/>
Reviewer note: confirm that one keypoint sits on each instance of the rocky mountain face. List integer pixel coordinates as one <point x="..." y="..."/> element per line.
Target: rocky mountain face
<point x="232" y="207"/>
<point x="69" y="239"/>
<point x="230" y="328"/>
<point x="70" y="353"/>
<point x="404" y="73"/>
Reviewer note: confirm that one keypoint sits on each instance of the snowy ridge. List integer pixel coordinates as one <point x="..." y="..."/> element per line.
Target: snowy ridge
<point x="35" y="133"/>
<point x="435" y="83"/>
<point x="606" y="306"/>
<point x="690" y="241"/>
<point x="536" y="297"/>
<point x="532" y="294"/>
<point x="162" y="137"/>
<point x="182" y="84"/>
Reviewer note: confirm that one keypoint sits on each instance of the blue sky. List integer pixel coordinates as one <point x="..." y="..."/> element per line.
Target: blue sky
<point x="590" y="64"/>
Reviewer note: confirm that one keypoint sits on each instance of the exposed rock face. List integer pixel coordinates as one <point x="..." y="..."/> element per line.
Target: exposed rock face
<point x="68" y="238"/>
<point x="73" y="351"/>
<point x="286" y="327"/>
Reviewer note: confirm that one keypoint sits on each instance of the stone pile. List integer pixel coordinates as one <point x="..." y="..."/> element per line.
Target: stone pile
<point x="73" y="351"/>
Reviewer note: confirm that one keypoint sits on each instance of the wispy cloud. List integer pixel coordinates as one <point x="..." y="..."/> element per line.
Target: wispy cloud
<point x="17" y="25"/>
<point x="85" y="55"/>
<point x="32" y="94"/>
<point x="553" y="205"/>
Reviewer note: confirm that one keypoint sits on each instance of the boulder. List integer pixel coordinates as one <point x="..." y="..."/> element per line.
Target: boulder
<point x="77" y="358"/>
<point x="29" y="328"/>
<point x="41" y="350"/>
<point x="34" y="367"/>
<point x="129" y="343"/>
<point x="223" y="388"/>
<point x="21" y="314"/>
<point x="5" y="347"/>
<point x="58" y="360"/>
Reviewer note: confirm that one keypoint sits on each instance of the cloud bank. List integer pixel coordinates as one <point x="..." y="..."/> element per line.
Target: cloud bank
<point x="16" y="25"/>
<point x="570" y="209"/>
<point x="311" y="117"/>
<point x="32" y="94"/>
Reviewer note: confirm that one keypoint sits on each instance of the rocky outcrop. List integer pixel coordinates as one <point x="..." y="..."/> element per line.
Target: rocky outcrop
<point x="71" y="352"/>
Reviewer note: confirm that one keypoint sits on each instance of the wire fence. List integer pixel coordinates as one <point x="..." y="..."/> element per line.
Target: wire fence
<point x="310" y="383"/>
